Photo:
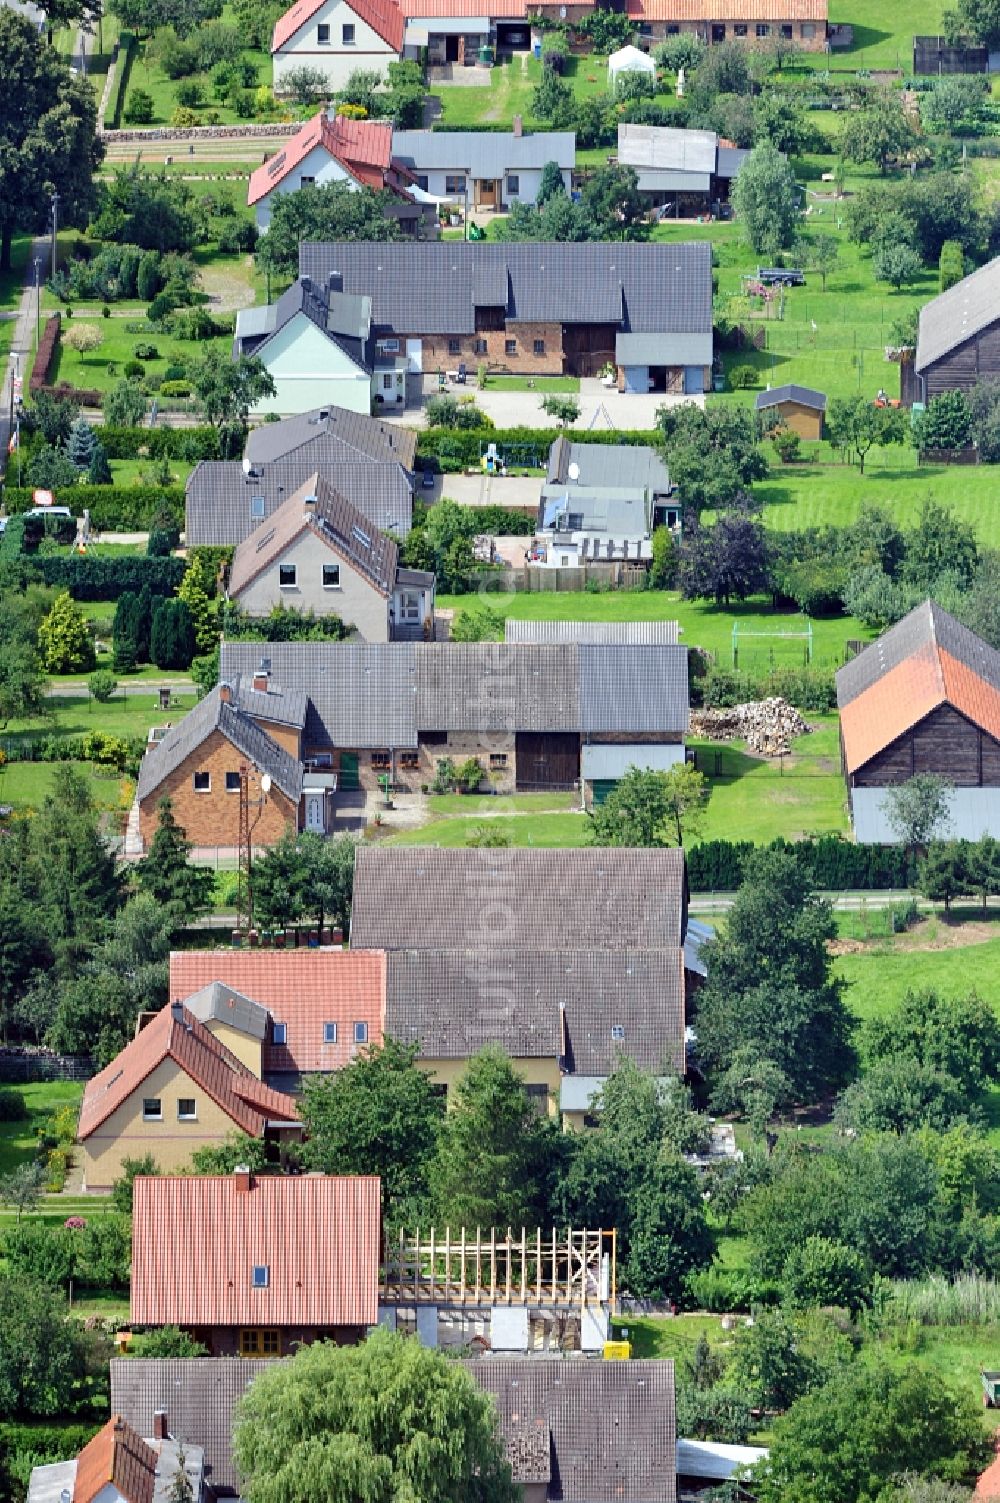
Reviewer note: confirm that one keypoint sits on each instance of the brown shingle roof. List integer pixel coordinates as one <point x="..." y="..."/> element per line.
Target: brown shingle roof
<point x="302" y="989"/>
<point x="116" y="1455"/>
<point x="196" y="1241"/>
<point x="177" y="1034"/>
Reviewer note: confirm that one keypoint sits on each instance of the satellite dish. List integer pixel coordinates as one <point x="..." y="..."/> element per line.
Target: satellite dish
<point x="246" y="464"/>
<point x="574" y="471"/>
<point x="265" y="784"/>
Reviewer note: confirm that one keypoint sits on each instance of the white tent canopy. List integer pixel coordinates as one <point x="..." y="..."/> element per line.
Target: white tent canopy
<point x="629" y="60"/>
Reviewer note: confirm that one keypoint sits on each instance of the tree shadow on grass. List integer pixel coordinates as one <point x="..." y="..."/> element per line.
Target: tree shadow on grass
<point x="864" y="37"/>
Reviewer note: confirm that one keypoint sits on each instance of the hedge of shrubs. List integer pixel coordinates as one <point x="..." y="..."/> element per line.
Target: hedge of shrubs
<point x="123" y="67"/>
<point x="457" y="449"/>
<point x="112" y="508"/>
<point x="45" y="353"/>
<point x="190" y="444"/>
<point x="95" y="577"/>
<point x="810" y="689"/>
<point x="831" y="863"/>
<point x="118" y="753"/>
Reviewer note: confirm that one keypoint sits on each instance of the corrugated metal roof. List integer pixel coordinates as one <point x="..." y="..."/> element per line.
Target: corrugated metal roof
<point x="223" y="505"/>
<point x="609" y="899"/>
<point x="611" y="760"/>
<point x="210" y="714"/>
<point x="196" y="1240"/>
<point x="483" y="154"/>
<point x="665" y="147"/>
<point x="610" y="1424"/>
<point x="714" y="1460"/>
<point x="302" y="989"/>
<point x="663" y="349"/>
<point x="806" y="396"/>
<point x="633" y="688"/>
<point x="434" y="287"/>
<point x="656" y="633"/>
<point x="973" y="304"/>
<point x="610" y="464"/>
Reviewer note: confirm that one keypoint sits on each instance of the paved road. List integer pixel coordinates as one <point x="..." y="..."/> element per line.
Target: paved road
<point x="21" y="343"/>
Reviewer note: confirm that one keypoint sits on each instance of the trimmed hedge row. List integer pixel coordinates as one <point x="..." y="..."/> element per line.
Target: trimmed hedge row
<point x="45" y="1443"/>
<point x="45" y="353"/>
<point x="123" y="61"/>
<point x="831" y="863"/>
<point x="462" y="447"/>
<point x="127" y="508"/>
<point x="90" y="577"/>
<point x="191" y="444"/>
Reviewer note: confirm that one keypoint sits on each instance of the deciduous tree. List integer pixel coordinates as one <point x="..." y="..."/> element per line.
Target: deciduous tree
<point x="649" y="808"/>
<point x="919" y="810"/>
<point x="764" y="197"/>
<point x="333" y="211"/>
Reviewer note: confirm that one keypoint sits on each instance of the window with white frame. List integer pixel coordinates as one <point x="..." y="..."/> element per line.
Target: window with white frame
<point x="152" y="1109"/>
<point x="187" y="1109"/>
<point x="329" y="1033"/>
<point x="203" y="782"/>
<point x="260" y="1276"/>
<point x="347" y="35"/>
<point x="232" y="782"/>
<point x="331" y="576"/>
<point x="287" y="576"/>
<point x="361" y="1033"/>
<point x="409" y="606"/>
<point x="279" y="1033"/>
<point x="387" y="382"/>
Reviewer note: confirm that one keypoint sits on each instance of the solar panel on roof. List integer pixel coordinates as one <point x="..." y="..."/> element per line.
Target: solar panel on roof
<point x="362" y="537"/>
<point x="267" y="538"/>
<point x="277" y="165"/>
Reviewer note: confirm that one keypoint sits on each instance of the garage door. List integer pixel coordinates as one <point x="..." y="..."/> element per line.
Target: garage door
<point x="547" y="759"/>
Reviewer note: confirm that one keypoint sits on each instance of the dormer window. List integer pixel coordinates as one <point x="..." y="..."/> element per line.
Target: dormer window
<point x="260" y="1276"/>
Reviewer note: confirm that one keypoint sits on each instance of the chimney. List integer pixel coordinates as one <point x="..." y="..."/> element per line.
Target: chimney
<point x="335" y="281"/>
<point x="226" y="694"/>
<point x="518" y="126"/>
<point x="160" y="1431"/>
<point x="177" y="1012"/>
<point x="242" y="1179"/>
<point x="260" y="678"/>
<point x="306" y="283"/>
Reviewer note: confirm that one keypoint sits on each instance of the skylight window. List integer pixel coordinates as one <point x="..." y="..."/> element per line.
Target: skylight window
<point x="260" y="1276"/>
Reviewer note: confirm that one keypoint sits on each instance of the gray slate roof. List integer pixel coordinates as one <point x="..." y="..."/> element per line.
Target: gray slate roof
<point x="926" y="625"/>
<point x="345" y="321"/>
<point x="652" y="633"/>
<point x="973" y="304"/>
<point x="424" y="898"/>
<point x="610" y="1425"/>
<point x="219" y="1003"/>
<point x="213" y="714"/>
<point x="219" y="494"/>
<point x="482" y="154"/>
<point x="420" y="287"/>
<point x="360" y="694"/>
<point x="381" y="694"/>
<point x="334" y="431"/>
<point x="619" y="465"/>
<point x="283" y="706"/>
<point x="453" y="1002"/>
<point x="805" y="395"/>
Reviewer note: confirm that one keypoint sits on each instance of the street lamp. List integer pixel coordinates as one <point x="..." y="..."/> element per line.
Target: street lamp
<point x="55" y="229"/>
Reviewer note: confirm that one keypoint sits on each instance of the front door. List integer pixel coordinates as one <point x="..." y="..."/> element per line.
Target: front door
<point x="451" y="49"/>
<point x="314" y="813"/>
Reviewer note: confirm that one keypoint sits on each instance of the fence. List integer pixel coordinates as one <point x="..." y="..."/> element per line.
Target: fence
<point x="932" y="55"/>
<point x="24" y="1065"/>
<point x="609" y="576"/>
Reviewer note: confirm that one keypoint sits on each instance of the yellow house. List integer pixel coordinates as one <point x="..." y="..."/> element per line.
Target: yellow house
<point x="175" y="1088"/>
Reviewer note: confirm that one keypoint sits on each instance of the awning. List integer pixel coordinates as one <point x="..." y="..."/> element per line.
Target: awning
<point x="613" y="760"/>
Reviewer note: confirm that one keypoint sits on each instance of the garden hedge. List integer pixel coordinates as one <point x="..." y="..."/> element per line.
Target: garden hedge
<point x="47" y="1443"/>
<point x="190" y="444"/>
<point x="45" y="352"/>
<point x="458" y="448"/>
<point x="113" y="508"/>
<point x="94" y="577"/>
<point x="123" y="63"/>
<point x="832" y="864"/>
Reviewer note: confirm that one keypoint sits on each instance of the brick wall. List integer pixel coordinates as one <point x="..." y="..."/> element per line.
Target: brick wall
<point x="214" y="818"/>
<point x="655" y="31"/>
<point x="524" y="361"/>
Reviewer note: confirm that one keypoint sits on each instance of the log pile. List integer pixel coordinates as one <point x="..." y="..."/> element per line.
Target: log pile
<point x="766" y="725"/>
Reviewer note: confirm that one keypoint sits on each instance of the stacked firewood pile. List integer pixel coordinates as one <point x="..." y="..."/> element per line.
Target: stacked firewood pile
<point x="766" y="725"/>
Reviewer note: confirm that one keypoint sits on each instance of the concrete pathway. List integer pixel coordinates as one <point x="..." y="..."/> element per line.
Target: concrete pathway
<point x="602" y="408"/>
<point x="21" y="343"/>
<point x="514" y="491"/>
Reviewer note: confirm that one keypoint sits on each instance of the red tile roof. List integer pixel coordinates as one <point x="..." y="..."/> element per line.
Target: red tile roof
<point x="249" y="1103"/>
<point x="906" y="694"/>
<point x="988" y="1485"/>
<point x="362" y="147"/>
<point x="418" y="9"/>
<point x="119" y="1456"/>
<point x="197" y="1239"/>
<point x="302" y="989"/>
<point x="384" y="18"/>
<point x="727" y="10"/>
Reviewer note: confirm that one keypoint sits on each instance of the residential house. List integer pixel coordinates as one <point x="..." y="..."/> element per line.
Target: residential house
<point x="316" y="343"/>
<point x="798" y="408"/>
<point x="291" y="1259"/>
<point x="958" y="338"/>
<point x="368" y="461"/>
<point x="452" y="33"/>
<point x="681" y="172"/>
<point x="118" y="1466"/>
<point x="175" y="1088"/>
<point x="530" y="308"/>
<point x="804" y="22"/>
<point x="600" y="503"/>
<point x="923" y="698"/>
<point x="567" y="959"/>
<point x="286" y="1014"/>
<point x="320" y="554"/>
<point x="575" y="1432"/>
<point x="329" y="149"/>
<point x="486" y="170"/>
<point x="337" y="38"/>
<point x="197" y="765"/>
<point x="537" y="716"/>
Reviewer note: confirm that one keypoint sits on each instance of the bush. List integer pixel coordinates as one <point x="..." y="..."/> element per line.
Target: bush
<point x="133" y="370"/>
<point x="162" y="542"/>
<point x="787" y="444"/>
<point x="830" y="863"/>
<point x="161" y="307"/>
<point x="743" y="377"/>
<point x="140" y="107"/>
<point x="45" y="352"/>
<point x="176" y="388"/>
<point x="102" y="685"/>
<point x="145" y="352"/>
<point x="13" y="1107"/>
<point x="168" y="1341"/>
<point x="190" y="94"/>
<point x="172" y="641"/>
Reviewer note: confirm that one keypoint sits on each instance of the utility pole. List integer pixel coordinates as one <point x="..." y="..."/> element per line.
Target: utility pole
<point x="55" y="229"/>
<point x="38" y="299"/>
<point x="251" y="810"/>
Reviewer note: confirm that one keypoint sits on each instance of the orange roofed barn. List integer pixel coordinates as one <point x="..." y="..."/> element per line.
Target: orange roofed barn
<point x="173" y="1089"/>
<point x="314" y="1008"/>
<point x="923" y="698"/>
<point x="254" y="1265"/>
<point x="803" y="22"/>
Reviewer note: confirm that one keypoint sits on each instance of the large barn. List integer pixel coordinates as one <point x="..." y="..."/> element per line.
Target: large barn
<point x="958" y="340"/>
<point x="924" y="698"/>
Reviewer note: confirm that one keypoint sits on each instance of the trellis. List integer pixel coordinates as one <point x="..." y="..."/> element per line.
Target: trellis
<point x="537" y="1268"/>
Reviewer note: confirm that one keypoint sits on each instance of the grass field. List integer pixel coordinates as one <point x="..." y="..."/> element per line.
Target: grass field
<point x="124" y="715"/>
<point x="26" y="785"/>
<point x="150" y="77"/>
<point x="18" y="1139"/>
<point x="118" y="347"/>
<point x="878" y="978"/>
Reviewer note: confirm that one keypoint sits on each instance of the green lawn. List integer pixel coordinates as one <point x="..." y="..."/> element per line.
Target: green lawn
<point x="559" y="830"/>
<point x="124" y="715"/>
<point x="761" y="799"/>
<point x="533" y="383"/>
<point x="675" y="1337"/>
<point x="18" y="1139"/>
<point x="879" y="978"/>
<point x="91" y="370"/>
<point x="151" y="78"/>
<point x="27" y="784"/>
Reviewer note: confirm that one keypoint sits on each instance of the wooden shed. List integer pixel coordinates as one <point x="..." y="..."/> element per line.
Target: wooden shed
<point x="799" y="407"/>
